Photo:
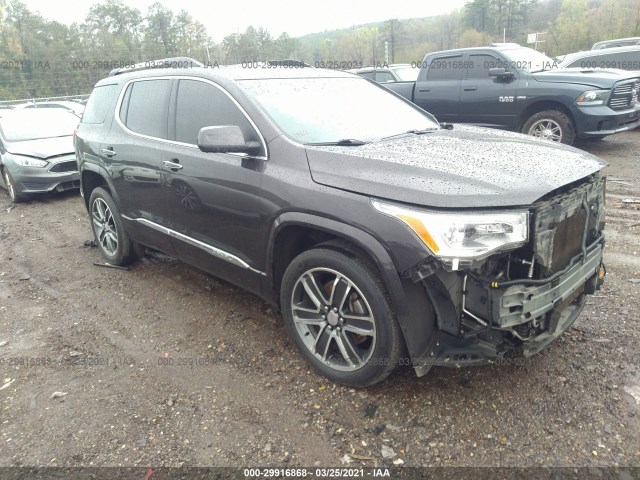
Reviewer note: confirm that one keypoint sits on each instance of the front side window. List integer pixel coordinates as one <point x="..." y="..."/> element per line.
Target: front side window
<point x="144" y="107"/>
<point x="200" y="104"/>
<point x="479" y="65"/>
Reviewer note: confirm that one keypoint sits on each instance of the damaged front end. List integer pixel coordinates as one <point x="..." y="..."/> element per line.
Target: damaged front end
<point x="518" y="302"/>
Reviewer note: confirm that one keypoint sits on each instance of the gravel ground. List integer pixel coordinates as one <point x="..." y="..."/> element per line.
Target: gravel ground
<point x="98" y="389"/>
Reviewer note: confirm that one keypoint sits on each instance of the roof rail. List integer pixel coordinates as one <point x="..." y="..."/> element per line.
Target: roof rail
<point x="505" y="44"/>
<point x="171" y="62"/>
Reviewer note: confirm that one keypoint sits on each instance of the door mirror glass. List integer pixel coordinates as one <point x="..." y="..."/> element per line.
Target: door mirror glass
<point x="225" y="139"/>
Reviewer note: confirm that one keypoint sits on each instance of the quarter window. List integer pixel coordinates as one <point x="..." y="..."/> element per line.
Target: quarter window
<point x="102" y="100"/>
<point x="144" y="107"/>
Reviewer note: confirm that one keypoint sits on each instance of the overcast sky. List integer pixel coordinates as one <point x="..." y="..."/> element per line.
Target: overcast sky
<point x="294" y="17"/>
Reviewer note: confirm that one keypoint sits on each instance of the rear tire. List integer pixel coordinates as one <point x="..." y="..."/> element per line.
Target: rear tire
<point x="338" y="313"/>
<point x="112" y="240"/>
<point x="551" y="125"/>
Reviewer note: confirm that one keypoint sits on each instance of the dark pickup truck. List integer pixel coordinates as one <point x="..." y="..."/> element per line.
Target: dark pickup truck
<point x="519" y="89"/>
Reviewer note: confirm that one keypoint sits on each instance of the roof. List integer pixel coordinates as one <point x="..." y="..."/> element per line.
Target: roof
<point x="571" y="57"/>
<point x="497" y="47"/>
<point x="229" y="73"/>
<point x="615" y="40"/>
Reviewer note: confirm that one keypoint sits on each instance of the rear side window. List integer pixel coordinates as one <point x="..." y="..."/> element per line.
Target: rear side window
<point x="200" y="104"/>
<point x="145" y="106"/>
<point x="367" y="75"/>
<point x="446" y="68"/>
<point x="384" y="77"/>
<point x="101" y="101"/>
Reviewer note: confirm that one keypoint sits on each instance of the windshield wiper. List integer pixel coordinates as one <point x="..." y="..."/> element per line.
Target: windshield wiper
<point x="345" y="142"/>
<point x="412" y="132"/>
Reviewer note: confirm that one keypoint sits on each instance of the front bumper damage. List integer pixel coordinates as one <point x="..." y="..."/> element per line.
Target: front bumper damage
<point x="481" y="321"/>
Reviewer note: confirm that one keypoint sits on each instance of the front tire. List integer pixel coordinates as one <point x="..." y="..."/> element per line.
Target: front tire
<point x="11" y="187"/>
<point x="112" y="240"/>
<point x="339" y="315"/>
<point x="551" y="125"/>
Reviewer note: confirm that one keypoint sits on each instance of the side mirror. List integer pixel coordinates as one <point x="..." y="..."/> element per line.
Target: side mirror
<point x="500" y="73"/>
<point x="225" y="139"/>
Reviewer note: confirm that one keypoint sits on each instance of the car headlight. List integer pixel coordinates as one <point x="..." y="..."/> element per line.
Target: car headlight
<point x="463" y="236"/>
<point x="593" y="97"/>
<point x="29" y="161"/>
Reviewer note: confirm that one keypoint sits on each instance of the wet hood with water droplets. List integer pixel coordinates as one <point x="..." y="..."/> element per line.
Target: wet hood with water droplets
<point x="467" y="167"/>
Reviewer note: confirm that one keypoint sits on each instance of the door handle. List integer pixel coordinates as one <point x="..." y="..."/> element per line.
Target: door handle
<point x="424" y="89"/>
<point x="108" y="152"/>
<point x="173" y="165"/>
<point x="470" y="89"/>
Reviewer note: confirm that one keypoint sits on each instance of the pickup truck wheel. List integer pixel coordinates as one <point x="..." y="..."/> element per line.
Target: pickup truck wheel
<point x="11" y="187"/>
<point x="112" y="241"/>
<point x="338" y="314"/>
<point x="551" y="125"/>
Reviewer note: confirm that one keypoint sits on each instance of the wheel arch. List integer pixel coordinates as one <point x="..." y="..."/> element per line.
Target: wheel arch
<point x="295" y="232"/>
<point x="92" y="177"/>
<point x="541" y="106"/>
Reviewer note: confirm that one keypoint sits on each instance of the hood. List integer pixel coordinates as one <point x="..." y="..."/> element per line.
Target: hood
<point x="467" y="167"/>
<point x="43" y="147"/>
<point x="599" y="78"/>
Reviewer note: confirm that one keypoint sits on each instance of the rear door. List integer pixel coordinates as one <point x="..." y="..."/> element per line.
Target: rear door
<point x="134" y="151"/>
<point x="213" y="199"/>
<point x="485" y="100"/>
<point x="438" y="87"/>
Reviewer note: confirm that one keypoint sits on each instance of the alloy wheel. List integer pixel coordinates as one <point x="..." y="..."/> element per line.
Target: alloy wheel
<point x="334" y="319"/>
<point x="10" y="187"/>
<point x="105" y="227"/>
<point x="547" y="129"/>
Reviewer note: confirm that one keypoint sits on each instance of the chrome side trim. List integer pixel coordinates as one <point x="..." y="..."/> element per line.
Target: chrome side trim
<point x="216" y="252"/>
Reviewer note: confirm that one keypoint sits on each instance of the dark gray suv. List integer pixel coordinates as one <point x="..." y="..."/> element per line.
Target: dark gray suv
<point x="384" y="237"/>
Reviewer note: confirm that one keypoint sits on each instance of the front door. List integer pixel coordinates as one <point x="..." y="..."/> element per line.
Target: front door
<point x="212" y="199"/>
<point x="485" y="100"/>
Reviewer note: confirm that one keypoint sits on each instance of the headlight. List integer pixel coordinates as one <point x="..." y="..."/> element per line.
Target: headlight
<point x="593" y="97"/>
<point x="463" y="236"/>
<point x="28" y="161"/>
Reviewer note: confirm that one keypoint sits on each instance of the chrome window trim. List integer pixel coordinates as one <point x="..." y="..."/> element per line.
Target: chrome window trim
<point x="216" y="252"/>
<point x="182" y="144"/>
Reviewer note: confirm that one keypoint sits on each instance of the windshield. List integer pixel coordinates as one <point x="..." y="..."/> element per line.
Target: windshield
<point x="32" y="124"/>
<point x="406" y="74"/>
<point x="327" y="110"/>
<point x="529" y="60"/>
